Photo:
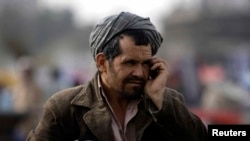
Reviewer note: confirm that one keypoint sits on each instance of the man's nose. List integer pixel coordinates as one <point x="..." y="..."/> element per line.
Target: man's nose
<point x="138" y="71"/>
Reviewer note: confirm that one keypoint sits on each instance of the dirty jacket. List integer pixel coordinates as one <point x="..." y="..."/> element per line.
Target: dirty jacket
<point x="80" y="113"/>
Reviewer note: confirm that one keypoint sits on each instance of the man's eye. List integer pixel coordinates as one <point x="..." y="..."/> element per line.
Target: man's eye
<point x="145" y="65"/>
<point x="131" y="63"/>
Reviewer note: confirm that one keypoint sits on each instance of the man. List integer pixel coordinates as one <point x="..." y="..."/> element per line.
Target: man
<point x="127" y="99"/>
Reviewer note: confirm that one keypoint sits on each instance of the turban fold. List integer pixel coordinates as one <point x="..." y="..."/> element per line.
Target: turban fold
<point x="112" y="25"/>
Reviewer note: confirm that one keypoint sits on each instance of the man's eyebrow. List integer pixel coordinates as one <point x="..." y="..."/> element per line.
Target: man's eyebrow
<point x="147" y="61"/>
<point x="128" y="60"/>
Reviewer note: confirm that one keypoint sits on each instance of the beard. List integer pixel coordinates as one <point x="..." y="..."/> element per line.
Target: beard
<point x="132" y="92"/>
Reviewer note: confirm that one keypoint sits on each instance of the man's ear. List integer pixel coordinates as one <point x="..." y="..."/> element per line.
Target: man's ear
<point x="101" y="62"/>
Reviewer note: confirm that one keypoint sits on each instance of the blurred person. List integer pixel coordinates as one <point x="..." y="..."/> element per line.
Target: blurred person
<point x="26" y="91"/>
<point x="27" y="97"/>
<point x="7" y="80"/>
<point x="127" y="99"/>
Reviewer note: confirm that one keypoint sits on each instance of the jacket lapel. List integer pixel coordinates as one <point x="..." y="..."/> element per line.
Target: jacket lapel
<point x="142" y="121"/>
<point x="97" y="118"/>
<point x="99" y="122"/>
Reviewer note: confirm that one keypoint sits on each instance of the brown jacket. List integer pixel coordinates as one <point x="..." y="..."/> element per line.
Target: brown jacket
<point x="80" y="113"/>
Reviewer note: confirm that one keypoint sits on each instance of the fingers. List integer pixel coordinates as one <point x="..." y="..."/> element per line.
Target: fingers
<point x="158" y="63"/>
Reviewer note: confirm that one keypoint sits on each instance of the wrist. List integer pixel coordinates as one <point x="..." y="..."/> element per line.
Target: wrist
<point x="157" y="98"/>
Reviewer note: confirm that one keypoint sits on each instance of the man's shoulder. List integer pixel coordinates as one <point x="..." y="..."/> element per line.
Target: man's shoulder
<point x="68" y="93"/>
<point x="174" y="94"/>
<point x="60" y="102"/>
<point x="65" y="96"/>
<point x="172" y="91"/>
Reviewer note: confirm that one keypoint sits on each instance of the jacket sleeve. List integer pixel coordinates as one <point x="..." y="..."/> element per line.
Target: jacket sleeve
<point x="51" y="126"/>
<point x="177" y="119"/>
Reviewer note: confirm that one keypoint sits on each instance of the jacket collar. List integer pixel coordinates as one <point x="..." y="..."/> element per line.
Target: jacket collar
<point x="98" y="115"/>
<point x="90" y="97"/>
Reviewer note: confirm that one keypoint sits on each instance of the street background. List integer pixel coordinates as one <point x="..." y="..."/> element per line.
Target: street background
<point x="44" y="48"/>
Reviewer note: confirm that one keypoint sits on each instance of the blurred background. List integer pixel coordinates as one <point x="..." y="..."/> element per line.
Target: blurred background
<point x="44" y="48"/>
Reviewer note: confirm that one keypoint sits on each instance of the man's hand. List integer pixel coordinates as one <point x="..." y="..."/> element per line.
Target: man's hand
<point x="155" y="87"/>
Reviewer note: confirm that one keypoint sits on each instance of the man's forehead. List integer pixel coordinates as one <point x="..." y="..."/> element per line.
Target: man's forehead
<point x="137" y="53"/>
<point x="127" y="42"/>
<point x="139" y="50"/>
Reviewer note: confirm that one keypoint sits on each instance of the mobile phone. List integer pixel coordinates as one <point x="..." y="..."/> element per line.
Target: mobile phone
<point x="153" y="74"/>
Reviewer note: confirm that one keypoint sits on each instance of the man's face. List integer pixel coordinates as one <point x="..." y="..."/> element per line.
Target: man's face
<point x="128" y="72"/>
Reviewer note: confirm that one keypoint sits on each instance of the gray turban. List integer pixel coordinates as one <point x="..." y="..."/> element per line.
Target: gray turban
<point x="111" y="26"/>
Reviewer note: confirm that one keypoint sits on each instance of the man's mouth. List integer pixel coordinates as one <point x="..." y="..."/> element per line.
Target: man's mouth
<point x="135" y="82"/>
